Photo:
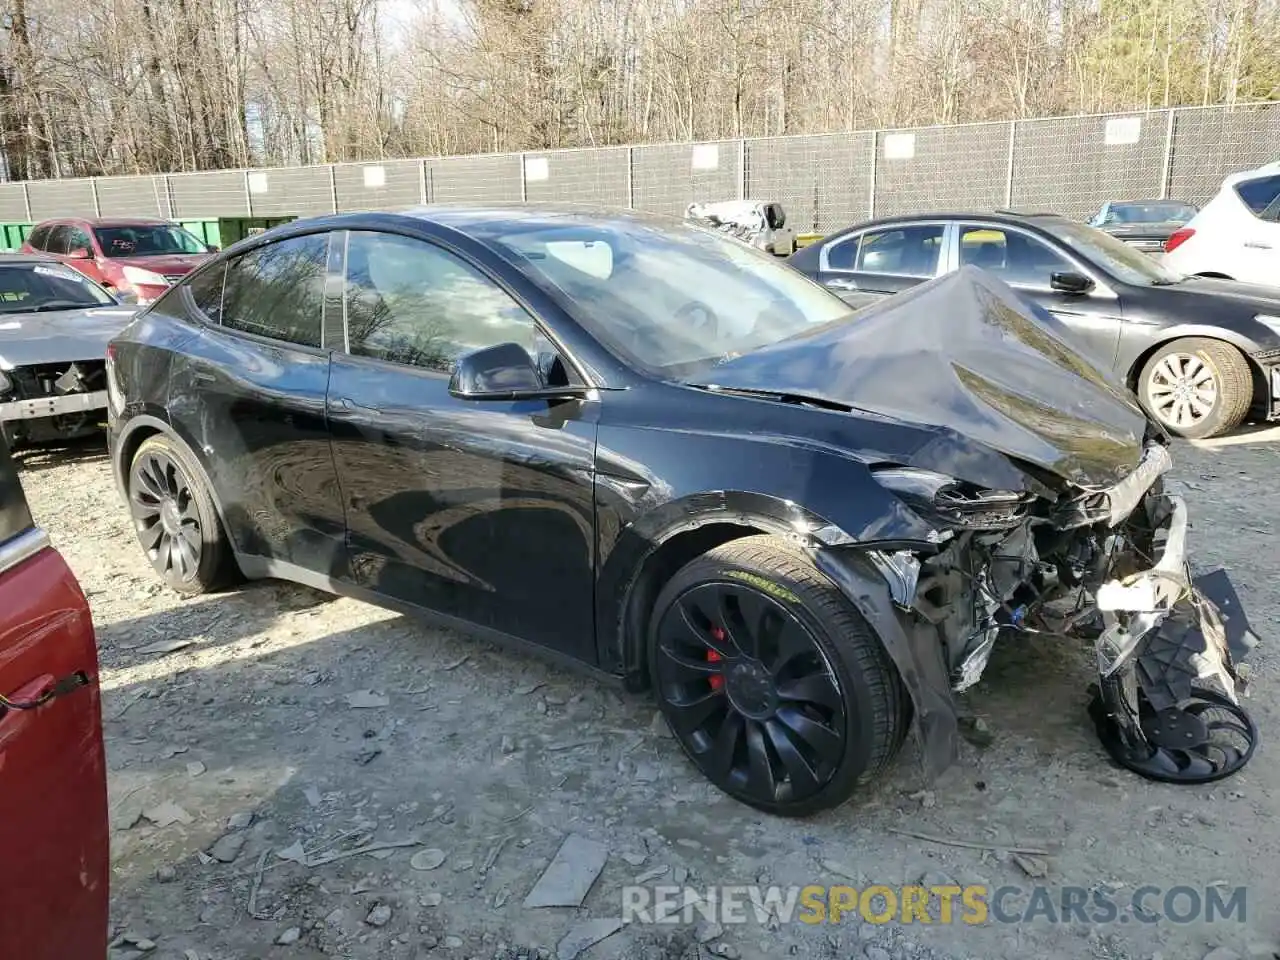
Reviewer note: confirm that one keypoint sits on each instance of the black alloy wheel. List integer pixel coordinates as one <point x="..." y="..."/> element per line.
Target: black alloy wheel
<point x="771" y="682"/>
<point x="175" y="519"/>
<point x="165" y="516"/>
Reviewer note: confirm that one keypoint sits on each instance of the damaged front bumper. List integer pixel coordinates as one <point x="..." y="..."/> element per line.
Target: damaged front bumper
<point x="1167" y="705"/>
<point x="53" y="406"/>
<point x="1108" y="565"/>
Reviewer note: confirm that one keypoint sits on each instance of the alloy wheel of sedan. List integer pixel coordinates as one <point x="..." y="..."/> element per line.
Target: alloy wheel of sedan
<point x="750" y="692"/>
<point x="1197" y="387"/>
<point x="1183" y="390"/>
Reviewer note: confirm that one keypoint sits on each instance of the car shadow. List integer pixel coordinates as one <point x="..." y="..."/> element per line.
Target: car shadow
<point x="206" y="623"/>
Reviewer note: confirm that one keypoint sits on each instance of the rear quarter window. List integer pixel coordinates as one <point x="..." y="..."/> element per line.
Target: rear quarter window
<point x="1261" y="196"/>
<point x="38" y="236"/>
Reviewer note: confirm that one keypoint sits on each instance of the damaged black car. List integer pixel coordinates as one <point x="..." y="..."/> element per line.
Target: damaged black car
<point x="54" y="328"/>
<point x="649" y="448"/>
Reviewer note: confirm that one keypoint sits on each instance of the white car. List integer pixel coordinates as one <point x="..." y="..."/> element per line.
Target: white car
<point x="1237" y="234"/>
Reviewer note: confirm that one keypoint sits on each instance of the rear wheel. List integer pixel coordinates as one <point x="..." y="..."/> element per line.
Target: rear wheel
<point x="1197" y="387"/>
<point x="175" y="519"/>
<point x="773" y="683"/>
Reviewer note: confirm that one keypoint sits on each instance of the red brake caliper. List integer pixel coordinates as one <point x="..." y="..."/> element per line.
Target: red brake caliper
<point x="716" y="680"/>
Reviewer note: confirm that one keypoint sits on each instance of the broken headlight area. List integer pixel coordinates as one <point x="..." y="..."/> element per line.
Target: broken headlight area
<point x="1104" y="565"/>
<point x="54" y="401"/>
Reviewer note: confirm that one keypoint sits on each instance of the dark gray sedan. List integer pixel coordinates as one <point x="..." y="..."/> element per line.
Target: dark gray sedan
<point x="54" y="328"/>
<point x="1201" y="354"/>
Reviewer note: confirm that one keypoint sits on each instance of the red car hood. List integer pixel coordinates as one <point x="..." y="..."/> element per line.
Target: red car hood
<point x="163" y="263"/>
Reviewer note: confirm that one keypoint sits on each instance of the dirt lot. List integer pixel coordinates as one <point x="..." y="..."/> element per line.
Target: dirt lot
<point x="268" y="732"/>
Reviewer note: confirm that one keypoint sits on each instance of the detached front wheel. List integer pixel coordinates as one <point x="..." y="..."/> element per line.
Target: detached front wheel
<point x="1197" y="387"/>
<point x="772" y="682"/>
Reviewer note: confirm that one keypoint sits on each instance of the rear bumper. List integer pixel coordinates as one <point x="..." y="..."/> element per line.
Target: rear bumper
<point x="40" y="407"/>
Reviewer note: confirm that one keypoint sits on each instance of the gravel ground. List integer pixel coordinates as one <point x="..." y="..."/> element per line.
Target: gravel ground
<point x="300" y="724"/>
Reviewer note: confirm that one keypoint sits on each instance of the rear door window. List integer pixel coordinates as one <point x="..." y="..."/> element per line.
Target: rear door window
<point x="1262" y="197"/>
<point x="902" y="251"/>
<point x="38" y="237"/>
<point x="277" y="290"/>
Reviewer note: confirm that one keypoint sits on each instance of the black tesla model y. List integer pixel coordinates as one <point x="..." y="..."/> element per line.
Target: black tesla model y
<point x="654" y="449"/>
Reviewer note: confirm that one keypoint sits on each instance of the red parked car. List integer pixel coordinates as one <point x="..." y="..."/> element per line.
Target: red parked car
<point x="138" y="258"/>
<point x="53" y="780"/>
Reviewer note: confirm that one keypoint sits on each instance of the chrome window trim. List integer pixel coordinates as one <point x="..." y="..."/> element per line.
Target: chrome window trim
<point x="17" y="550"/>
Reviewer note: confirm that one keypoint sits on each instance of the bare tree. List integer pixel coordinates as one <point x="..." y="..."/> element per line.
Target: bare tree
<point x="139" y="86"/>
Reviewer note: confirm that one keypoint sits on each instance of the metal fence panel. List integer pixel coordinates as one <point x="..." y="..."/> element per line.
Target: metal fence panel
<point x="1071" y="165"/>
<point x="597" y="176"/>
<point x="387" y="185"/>
<point x="13" y="203"/>
<point x="61" y="198"/>
<point x="143" y="196"/>
<point x="942" y="168"/>
<point x="492" y="178"/>
<point x="209" y="194"/>
<point x="290" y="192"/>
<point x="666" y="178"/>
<point x="823" y="181"/>
<point x="1209" y="144"/>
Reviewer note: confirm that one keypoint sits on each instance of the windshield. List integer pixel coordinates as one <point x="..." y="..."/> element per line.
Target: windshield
<point x="670" y="297"/>
<point x="1119" y="259"/>
<point x="28" y="288"/>
<point x="147" y="240"/>
<point x="1150" y="213"/>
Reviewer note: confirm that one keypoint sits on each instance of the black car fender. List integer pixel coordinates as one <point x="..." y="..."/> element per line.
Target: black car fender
<point x="134" y="433"/>
<point x="912" y="646"/>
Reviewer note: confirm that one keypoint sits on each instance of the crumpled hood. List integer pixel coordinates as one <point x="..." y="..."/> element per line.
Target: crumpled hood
<point x="967" y="354"/>
<point x="59" y="336"/>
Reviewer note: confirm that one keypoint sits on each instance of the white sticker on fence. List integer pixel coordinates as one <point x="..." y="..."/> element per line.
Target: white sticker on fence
<point x="1121" y="130"/>
<point x="375" y="177"/>
<point x="257" y="183"/>
<point x="706" y="156"/>
<point x="899" y="146"/>
<point x="536" y="168"/>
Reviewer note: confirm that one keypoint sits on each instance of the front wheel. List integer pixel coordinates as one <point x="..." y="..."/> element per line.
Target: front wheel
<point x="772" y="682"/>
<point x="1197" y="387"/>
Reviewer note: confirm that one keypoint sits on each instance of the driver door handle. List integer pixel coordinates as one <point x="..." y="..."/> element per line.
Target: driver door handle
<point x="1257" y="245"/>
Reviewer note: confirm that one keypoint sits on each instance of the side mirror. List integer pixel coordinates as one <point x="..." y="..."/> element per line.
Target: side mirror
<point x="503" y="372"/>
<point x="211" y="247"/>
<point x="79" y="253"/>
<point x="1070" y="282"/>
<point x="124" y="296"/>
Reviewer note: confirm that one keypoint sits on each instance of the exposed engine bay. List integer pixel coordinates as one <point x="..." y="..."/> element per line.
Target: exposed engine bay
<point x="52" y="401"/>
<point x="1106" y="566"/>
